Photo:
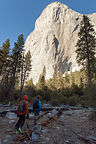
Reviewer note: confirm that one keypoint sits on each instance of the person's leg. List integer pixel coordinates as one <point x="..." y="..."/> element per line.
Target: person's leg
<point x="35" y="119"/>
<point x="22" y="121"/>
<point x="17" y="126"/>
<point x="18" y="123"/>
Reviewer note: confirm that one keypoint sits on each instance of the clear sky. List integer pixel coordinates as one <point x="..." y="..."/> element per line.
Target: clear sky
<point x="19" y="16"/>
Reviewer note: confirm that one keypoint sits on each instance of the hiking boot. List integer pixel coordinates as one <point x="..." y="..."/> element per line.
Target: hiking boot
<point x="16" y="131"/>
<point x="20" y="130"/>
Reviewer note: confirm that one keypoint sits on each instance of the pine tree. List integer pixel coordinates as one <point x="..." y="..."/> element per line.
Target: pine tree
<point x="41" y="81"/>
<point x="86" y="46"/>
<point x="16" y="61"/>
<point x="4" y="54"/>
<point x="55" y="78"/>
<point x="61" y="81"/>
<point x="6" y="47"/>
<point x="5" y="67"/>
<point x="25" y="69"/>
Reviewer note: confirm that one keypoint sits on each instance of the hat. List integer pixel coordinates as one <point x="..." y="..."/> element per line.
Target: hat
<point x="25" y="97"/>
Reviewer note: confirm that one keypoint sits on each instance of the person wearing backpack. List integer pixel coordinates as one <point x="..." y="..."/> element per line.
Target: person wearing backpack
<point x="22" y="113"/>
<point x="36" y="108"/>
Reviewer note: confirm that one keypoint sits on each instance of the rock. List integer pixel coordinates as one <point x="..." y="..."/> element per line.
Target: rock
<point x="31" y="115"/>
<point x="11" y="121"/>
<point x="44" y="131"/>
<point x="11" y="115"/>
<point x="49" y="115"/>
<point x="46" y="105"/>
<point x="54" y="111"/>
<point x="37" y="129"/>
<point x="91" y="138"/>
<point x="90" y="108"/>
<point x="68" y="113"/>
<point x="7" y="139"/>
<point x="53" y="40"/>
<point x="57" y="127"/>
<point x="68" y="142"/>
<point x="34" y="136"/>
<point x="47" y="139"/>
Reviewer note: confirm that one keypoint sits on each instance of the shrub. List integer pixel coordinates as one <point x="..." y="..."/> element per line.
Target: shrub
<point x="55" y="102"/>
<point x="73" y="100"/>
<point x="63" y="100"/>
<point x="92" y="115"/>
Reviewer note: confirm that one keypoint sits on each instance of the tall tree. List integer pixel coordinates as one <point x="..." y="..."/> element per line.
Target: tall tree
<point x="55" y="83"/>
<point x="86" y="46"/>
<point x="5" y="67"/>
<point x="16" y="60"/>
<point x="25" y="69"/>
<point x="61" y="81"/>
<point x="4" y="53"/>
<point x="41" y="81"/>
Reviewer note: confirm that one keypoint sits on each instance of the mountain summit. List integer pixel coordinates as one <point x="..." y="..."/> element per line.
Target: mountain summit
<point x="53" y="40"/>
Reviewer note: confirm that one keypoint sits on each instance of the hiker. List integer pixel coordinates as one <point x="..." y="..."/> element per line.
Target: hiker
<point x="22" y="113"/>
<point x="36" y="108"/>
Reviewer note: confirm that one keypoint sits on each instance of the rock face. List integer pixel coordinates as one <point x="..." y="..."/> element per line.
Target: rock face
<point x="53" y="40"/>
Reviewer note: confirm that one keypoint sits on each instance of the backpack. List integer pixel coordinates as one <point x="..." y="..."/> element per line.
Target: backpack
<point x="36" y="104"/>
<point x="22" y="107"/>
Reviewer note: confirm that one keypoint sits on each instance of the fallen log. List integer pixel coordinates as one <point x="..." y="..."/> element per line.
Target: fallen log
<point x="49" y="120"/>
<point x="2" y="113"/>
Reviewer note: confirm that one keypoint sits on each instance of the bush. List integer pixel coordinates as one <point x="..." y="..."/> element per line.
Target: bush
<point x="77" y="90"/>
<point x="92" y="115"/>
<point x="84" y="101"/>
<point x="63" y="100"/>
<point x="55" y="102"/>
<point x="73" y="100"/>
<point x="68" y="92"/>
<point x="90" y="95"/>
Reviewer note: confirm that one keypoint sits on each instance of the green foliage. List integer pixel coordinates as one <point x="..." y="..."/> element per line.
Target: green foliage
<point x="61" y="80"/>
<point x="41" y="81"/>
<point x="25" y="69"/>
<point x="55" y="102"/>
<point x="77" y="90"/>
<point x="73" y="100"/>
<point x="54" y="81"/>
<point x="29" y="89"/>
<point x="90" y="93"/>
<point x="92" y="115"/>
<point x="86" y="45"/>
<point x="6" y="47"/>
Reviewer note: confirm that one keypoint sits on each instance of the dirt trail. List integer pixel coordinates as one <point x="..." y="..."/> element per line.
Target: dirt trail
<point x="72" y="127"/>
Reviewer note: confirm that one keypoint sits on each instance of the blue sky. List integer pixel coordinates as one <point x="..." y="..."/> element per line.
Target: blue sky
<point x="19" y="16"/>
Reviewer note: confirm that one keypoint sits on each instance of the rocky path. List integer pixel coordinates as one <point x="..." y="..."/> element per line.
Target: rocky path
<point x="71" y="127"/>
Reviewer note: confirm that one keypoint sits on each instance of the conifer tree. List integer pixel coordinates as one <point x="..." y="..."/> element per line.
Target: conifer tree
<point x="5" y="66"/>
<point x="4" y="54"/>
<point x="55" y="77"/>
<point x="61" y="81"/>
<point x="25" y="69"/>
<point x="16" y="63"/>
<point x="67" y="81"/>
<point x="86" y="46"/>
<point x="41" y="81"/>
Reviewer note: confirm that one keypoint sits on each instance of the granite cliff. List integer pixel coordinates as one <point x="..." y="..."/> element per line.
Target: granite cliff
<point x="53" y="40"/>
